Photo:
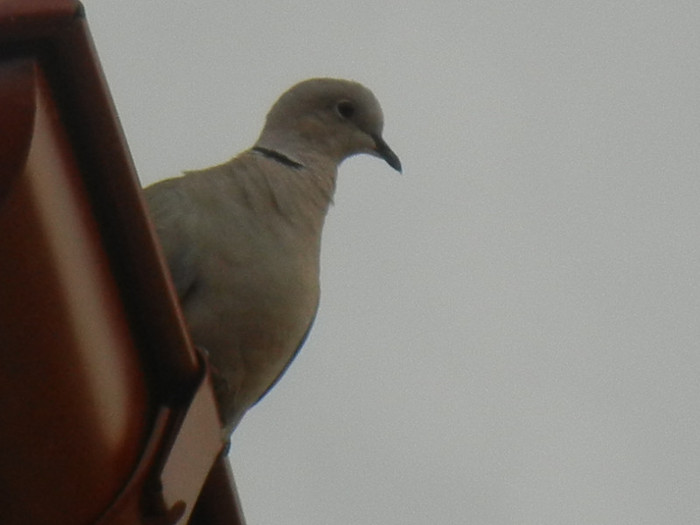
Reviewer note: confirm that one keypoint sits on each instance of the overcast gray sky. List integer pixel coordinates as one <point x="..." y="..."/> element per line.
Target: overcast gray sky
<point x="509" y="332"/>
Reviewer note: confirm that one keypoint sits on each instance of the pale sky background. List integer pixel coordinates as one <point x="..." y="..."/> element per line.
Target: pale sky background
<point x="509" y="332"/>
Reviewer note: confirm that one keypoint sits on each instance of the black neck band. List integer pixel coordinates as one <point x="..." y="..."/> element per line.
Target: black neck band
<point x="279" y="157"/>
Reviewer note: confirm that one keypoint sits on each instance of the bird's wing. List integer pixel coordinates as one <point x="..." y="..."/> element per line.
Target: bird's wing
<point x="175" y="217"/>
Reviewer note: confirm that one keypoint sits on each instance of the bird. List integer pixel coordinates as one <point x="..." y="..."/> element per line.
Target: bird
<point x="242" y="239"/>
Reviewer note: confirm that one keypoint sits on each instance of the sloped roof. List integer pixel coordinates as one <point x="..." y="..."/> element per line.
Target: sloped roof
<point x="106" y="410"/>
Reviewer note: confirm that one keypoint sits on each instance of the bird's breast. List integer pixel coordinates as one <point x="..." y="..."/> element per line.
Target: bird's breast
<point x="250" y="312"/>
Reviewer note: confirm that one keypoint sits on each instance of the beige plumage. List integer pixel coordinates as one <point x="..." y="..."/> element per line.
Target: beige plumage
<point x="242" y="239"/>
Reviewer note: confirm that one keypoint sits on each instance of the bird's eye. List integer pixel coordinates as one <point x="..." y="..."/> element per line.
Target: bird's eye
<point x="345" y="109"/>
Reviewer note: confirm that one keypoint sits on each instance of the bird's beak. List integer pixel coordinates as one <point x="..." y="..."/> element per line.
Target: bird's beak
<point x="384" y="151"/>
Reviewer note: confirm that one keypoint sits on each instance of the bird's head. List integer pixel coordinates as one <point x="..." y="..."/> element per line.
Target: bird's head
<point x="327" y="118"/>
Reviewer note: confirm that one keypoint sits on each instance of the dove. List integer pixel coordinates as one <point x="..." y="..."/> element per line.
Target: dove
<point x="242" y="239"/>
